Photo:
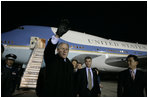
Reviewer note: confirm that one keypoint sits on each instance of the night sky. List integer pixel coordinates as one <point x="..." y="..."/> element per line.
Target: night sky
<point x="122" y="20"/>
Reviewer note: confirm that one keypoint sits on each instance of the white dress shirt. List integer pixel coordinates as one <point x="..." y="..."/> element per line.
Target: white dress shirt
<point x="54" y="40"/>
<point x="91" y="75"/>
<point x="134" y="71"/>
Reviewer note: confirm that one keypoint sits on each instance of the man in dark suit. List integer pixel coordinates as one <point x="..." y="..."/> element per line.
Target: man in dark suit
<point x="59" y="70"/>
<point x="132" y="82"/>
<point x="87" y="80"/>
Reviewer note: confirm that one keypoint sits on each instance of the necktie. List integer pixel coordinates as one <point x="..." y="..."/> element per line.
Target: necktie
<point x="89" y="80"/>
<point x="132" y="74"/>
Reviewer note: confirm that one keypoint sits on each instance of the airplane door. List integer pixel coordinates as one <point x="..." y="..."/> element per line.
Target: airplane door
<point x="41" y="43"/>
<point x="33" y="41"/>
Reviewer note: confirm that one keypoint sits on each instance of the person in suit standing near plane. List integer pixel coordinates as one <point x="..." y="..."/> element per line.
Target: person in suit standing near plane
<point x="59" y="69"/>
<point x="132" y="81"/>
<point x="87" y="80"/>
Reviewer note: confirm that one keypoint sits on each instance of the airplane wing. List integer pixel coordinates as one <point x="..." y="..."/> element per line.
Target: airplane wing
<point x="121" y="62"/>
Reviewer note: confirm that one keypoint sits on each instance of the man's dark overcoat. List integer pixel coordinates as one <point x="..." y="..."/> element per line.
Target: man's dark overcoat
<point x="59" y="74"/>
<point x="127" y="87"/>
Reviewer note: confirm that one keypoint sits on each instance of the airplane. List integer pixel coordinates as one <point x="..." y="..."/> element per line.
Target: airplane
<point x="107" y="55"/>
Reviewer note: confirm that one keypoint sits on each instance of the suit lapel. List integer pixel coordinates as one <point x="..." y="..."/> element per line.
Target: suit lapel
<point x="129" y="74"/>
<point x="94" y="74"/>
<point x="85" y="74"/>
<point x="137" y="74"/>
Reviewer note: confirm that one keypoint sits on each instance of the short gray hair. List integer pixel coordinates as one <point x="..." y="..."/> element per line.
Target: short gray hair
<point x="61" y="44"/>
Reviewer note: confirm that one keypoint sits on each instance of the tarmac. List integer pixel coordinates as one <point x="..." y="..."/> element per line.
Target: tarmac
<point x="109" y="90"/>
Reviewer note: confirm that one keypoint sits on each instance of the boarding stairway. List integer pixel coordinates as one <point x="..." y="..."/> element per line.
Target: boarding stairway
<point x="30" y="76"/>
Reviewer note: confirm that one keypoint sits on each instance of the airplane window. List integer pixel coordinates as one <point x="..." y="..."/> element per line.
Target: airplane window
<point x="74" y="46"/>
<point x="77" y="47"/>
<point x="12" y="42"/>
<point x="5" y="42"/>
<point x="8" y="42"/>
<point x="139" y="52"/>
<point x="117" y="51"/>
<point x="121" y="51"/>
<point x="109" y="50"/>
<point x="71" y="46"/>
<point x="135" y="53"/>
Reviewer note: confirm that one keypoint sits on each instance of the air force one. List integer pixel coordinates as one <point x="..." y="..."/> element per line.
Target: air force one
<point x="107" y="55"/>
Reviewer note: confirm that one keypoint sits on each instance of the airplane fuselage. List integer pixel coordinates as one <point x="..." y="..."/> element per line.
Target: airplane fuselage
<point x="108" y="55"/>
